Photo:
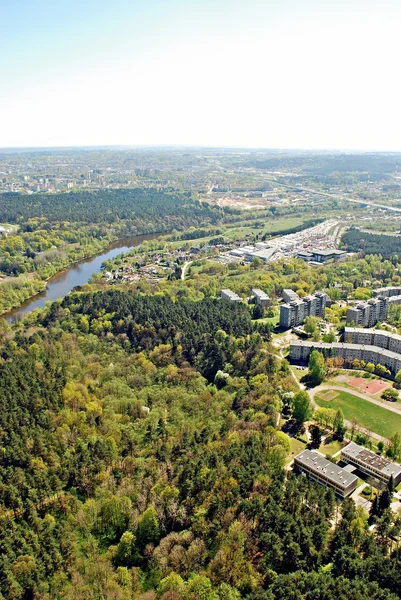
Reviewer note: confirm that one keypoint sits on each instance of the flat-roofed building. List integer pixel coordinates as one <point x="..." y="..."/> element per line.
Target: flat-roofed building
<point x="295" y="312"/>
<point x="367" y="314"/>
<point x="304" y="255"/>
<point x="261" y="297"/>
<point x="264" y="254"/>
<point x="300" y="351"/>
<point x="370" y="463"/>
<point x="290" y="296"/>
<point x="230" y="296"/>
<point x="387" y="292"/>
<point x="394" y="300"/>
<point x="373" y="337"/>
<point x="326" y="473"/>
<point x="328" y="254"/>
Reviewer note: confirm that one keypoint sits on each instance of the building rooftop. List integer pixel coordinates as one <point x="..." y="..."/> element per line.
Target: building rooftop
<point x="377" y="349"/>
<point x="333" y="472"/>
<point x="232" y="295"/>
<point x="329" y="252"/>
<point x="264" y="254"/>
<point x="394" y="336"/>
<point x="370" y="459"/>
<point x="260" y="294"/>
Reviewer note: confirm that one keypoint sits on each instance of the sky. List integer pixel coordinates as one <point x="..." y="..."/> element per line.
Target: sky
<point x="304" y="74"/>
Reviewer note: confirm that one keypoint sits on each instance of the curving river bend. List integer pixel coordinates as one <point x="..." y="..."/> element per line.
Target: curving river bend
<point x="78" y="274"/>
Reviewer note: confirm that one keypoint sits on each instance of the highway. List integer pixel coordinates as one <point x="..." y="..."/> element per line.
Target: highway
<point x="335" y="196"/>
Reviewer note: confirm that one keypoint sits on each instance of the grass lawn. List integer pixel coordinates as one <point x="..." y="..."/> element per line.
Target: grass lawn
<point x="239" y="231"/>
<point x="270" y="320"/>
<point x="299" y="373"/>
<point x="332" y="447"/>
<point x="364" y="413"/>
<point x="296" y="447"/>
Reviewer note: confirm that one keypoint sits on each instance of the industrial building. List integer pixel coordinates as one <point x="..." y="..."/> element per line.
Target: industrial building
<point x="321" y="256"/>
<point x="300" y="351"/>
<point x="367" y="314"/>
<point x="261" y="297"/>
<point x="371" y="464"/>
<point x="230" y="296"/>
<point x="295" y="312"/>
<point x="248" y="253"/>
<point x="326" y="473"/>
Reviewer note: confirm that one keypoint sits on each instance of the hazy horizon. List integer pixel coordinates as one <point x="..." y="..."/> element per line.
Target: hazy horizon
<point x="288" y="75"/>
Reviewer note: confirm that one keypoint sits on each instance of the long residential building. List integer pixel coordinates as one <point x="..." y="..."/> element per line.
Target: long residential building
<point x="295" y="312"/>
<point x="368" y="313"/>
<point x="261" y="297"/>
<point x="371" y="464"/>
<point x="394" y="300"/>
<point x="230" y="296"/>
<point x="326" y="473"/>
<point x="387" y="292"/>
<point x="300" y="351"/>
<point x="290" y="296"/>
<point x="373" y="337"/>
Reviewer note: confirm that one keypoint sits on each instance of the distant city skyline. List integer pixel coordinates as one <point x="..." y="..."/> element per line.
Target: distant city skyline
<point x="282" y="74"/>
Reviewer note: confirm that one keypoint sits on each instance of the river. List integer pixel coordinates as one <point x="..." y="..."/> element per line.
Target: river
<point x="78" y="274"/>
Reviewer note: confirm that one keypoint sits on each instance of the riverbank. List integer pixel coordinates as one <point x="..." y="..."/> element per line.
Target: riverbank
<point x="76" y="273"/>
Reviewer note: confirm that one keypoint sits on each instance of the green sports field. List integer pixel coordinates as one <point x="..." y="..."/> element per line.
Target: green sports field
<point x="373" y="417"/>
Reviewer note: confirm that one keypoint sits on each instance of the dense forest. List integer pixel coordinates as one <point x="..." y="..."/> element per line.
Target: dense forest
<point x="152" y="210"/>
<point x="355" y="240"/>
<point x="140" y="459"/>
<point x="82" y="224"/>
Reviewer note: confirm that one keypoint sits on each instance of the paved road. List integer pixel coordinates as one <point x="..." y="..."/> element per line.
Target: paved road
<point x="314" y="391"/>
<point x="336" y="196"/>
<point x="184" y="269"/>
<point x="388" y="406"/>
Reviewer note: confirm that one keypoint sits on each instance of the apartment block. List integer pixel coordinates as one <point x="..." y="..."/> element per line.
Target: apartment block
<point x="300" y="351"/>
<point x="371" y="464"/>
<point x="230" y="296"/>
<point x="373" y="337"/>
<point x="261" y="297"/>
<point x="394" y="300"/>
<point x="326" y="473"/>
<point x="290" y="296"/>
<point x="294" y="313"/>
<point x="387" y="292"/>
<point x="367" y="314"/>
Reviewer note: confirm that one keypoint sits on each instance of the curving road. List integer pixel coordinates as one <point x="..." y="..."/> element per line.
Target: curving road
<point x="313" y="391"/>
<point x="184" y="269"/>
